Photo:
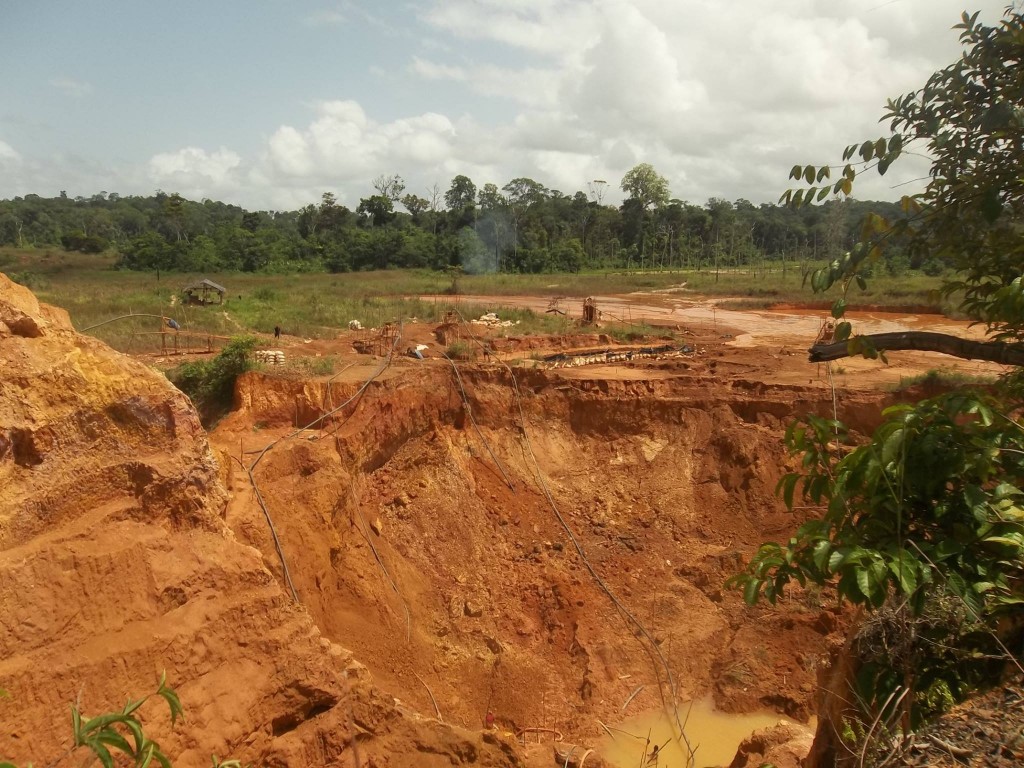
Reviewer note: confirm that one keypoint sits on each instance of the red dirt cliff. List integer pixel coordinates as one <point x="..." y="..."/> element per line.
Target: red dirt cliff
<point x="116" y="564"/>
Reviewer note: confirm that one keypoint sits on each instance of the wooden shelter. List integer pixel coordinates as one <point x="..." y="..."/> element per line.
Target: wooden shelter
<point x="202" y="292"/>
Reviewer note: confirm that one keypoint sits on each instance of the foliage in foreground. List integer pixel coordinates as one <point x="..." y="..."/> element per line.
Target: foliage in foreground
<point x="211" y="383"/>
<point x="121" y="731"/>
<point x="922" y="525"/>
<point x="109" y="734"/>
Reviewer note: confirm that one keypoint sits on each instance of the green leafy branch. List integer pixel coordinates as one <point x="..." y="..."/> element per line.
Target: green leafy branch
<point x="931" y="503"/>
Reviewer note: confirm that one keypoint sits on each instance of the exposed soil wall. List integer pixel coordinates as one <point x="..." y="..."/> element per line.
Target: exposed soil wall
<point x="407" y="545"/>
<point x="116" y="564"/>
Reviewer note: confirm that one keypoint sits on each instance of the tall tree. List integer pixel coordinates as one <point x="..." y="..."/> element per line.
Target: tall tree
<point x="924" y="523"/>
<point x="390" y="187"/>
<point x="646" y="186"/>
<point x="461" y="201"/>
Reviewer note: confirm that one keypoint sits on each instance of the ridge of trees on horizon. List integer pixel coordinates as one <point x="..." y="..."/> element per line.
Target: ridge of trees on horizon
<point x="520" y="228"/>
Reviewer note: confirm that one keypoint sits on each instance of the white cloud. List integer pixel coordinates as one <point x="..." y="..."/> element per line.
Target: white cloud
<point x="430" y="70"/>
<point x="344" y="149"/>
<point x="194" y="172"/>
<point x="70" y="86"/>
<point x="722" y="98"/>
<point x="8" y="155"/>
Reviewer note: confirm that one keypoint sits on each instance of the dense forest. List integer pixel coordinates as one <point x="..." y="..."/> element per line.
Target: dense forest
<point x="520" y="227"/>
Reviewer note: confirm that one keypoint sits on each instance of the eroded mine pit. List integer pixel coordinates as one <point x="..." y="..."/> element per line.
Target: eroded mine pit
<point x="417" y="532"/>
<point x="488" y="557"/>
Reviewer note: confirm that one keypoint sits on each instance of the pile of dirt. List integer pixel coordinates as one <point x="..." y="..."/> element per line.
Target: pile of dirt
<point x="116" y="564"/>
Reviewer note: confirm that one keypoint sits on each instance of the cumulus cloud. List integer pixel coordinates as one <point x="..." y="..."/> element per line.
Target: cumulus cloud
<point x="195" y="172"/>
<point x="72" y="87"/>
<point x="722" y="98"/>
<point x="343" y="148"/>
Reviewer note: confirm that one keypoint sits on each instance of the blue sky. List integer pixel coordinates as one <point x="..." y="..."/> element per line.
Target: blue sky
<point x="269" y="104"/>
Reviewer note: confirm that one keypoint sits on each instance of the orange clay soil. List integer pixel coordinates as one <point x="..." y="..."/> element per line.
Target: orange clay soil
<point x="435" y="580"/>
<point x="116" y="563"/>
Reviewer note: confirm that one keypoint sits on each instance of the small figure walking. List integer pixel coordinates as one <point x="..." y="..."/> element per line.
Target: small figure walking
<point x="489" y="721"/>
<point x="277" y="331"/>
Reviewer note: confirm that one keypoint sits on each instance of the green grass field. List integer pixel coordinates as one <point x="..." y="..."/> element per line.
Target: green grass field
<point x="317" y="305"/>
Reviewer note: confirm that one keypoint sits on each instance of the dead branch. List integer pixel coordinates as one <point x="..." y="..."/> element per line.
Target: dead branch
<point x="925" y="341"/>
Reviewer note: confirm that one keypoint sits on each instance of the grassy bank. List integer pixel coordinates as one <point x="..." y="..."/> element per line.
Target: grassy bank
<point x="316" y="305"/>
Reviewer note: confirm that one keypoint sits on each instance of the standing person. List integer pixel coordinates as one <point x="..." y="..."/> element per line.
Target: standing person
<point x="277" y="331"/>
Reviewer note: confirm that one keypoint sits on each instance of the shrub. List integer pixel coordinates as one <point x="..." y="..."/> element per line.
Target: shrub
<point x="211" y="383"/>
<point x="461" y="350"/>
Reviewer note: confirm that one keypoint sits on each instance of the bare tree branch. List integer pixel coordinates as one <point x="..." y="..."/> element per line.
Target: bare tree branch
<point x="924" y="341"/>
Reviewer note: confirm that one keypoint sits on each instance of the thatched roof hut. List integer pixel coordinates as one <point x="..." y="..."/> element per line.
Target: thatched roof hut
<point x="201" y="292"/>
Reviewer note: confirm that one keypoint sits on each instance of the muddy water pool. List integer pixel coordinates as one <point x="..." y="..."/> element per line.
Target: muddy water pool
<point x="714" y="734"/>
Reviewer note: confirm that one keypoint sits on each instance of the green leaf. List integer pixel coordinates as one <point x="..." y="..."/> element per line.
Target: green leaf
<point x="843" y="331"/>
<point x="787" y="484"/>
<point x="135" y="727"/>
<point x="809" y="174"/>
<point x="102" y="721"/>
<point x="101" y="752"/>
<point x="131" y="706"/>
<point x="173" y="703"/>
<point x="863" y="576"/>
<point x="861" y="282"/>
<point x="821" y="554"/>
<point x="991" y="205"/>
<point x="904" y="569"/>
<point x="836" y="560"/>
<point x="839" y="308"/>
<point x="866" y="150"/>
<point x="797" y="172"/>
<point x="751" y="591"/>
<point x="1011" y="543"/>
<point x="114" y="739"/>
<point x="76" y="726"/>
<point x="892" y="447"/>
<point x="880" y="148"/>
<point x="896" y="143"/>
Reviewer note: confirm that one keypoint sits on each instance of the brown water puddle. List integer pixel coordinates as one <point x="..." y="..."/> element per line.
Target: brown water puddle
<point x="714" y="735"/>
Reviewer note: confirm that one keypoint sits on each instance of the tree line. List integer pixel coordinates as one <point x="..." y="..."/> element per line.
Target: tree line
<point x="520" y="227"/>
